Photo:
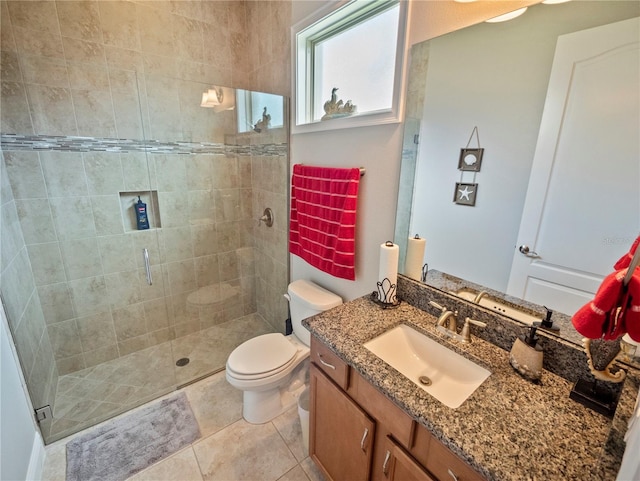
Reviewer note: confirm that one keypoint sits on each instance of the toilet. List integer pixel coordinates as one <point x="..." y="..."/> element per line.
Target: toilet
<point x="272" y="369"/>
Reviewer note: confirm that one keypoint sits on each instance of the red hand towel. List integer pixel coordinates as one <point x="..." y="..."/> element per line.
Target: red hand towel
<point x="323" y="218"/>
<point x="625" y="260"/>
<point x="614" y="310"/>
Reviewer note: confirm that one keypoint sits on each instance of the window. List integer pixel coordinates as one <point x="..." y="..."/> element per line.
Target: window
<point x="251" y="106"/>
<point x="358" y="50"/>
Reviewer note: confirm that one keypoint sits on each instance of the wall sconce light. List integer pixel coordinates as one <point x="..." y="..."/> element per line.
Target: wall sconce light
<point x="219" y="99"/>
<point x="212" y="97"/>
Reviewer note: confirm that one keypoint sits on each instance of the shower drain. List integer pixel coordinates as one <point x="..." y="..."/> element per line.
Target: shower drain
<point x="183" y="361"/>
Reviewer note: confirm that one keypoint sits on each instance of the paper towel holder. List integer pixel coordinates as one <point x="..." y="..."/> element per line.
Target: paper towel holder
<point x="425" y="271"/>
<point x="385" y="296"/>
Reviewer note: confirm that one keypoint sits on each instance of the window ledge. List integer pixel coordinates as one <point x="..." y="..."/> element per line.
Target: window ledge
<point x="362" y="120"/>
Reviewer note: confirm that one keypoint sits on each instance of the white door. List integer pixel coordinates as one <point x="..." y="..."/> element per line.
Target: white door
<point x="582" y="209"/>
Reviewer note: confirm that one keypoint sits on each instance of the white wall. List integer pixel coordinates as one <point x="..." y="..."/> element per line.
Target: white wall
<point x="21" y="447"/>
<point x="377" y="148"/>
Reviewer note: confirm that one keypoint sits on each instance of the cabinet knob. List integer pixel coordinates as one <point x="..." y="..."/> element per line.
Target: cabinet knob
<point x="453" y="476"/>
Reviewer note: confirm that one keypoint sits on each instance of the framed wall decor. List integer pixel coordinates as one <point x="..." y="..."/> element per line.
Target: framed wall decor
<point x="465" y="193"/>
<point x="470" y="159"/>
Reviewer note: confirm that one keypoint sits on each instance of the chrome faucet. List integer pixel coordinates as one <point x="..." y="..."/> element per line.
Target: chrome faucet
<point x="447" y="323"/>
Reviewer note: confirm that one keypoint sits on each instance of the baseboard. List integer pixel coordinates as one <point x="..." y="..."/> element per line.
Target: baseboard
<point x="36" y="460"/>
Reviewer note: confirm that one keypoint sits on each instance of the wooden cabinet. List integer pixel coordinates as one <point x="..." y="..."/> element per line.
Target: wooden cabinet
<point x="357" y="433"/>
<point x="439" y="460"/>
<point x="445" y="465"/>
<point x="399" y="466"/>
<point x="341" y="433"/>
<point x="329" y="363"/>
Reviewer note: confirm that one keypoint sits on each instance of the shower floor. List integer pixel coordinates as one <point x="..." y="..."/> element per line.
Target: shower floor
<point x="90" y="396"/>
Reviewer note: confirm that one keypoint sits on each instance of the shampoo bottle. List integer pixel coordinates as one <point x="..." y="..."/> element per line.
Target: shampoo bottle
<point x="141" y="215"/>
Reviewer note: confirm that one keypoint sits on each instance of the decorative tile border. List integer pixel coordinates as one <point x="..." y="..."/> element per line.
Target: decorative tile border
<point x="91" y="144"/>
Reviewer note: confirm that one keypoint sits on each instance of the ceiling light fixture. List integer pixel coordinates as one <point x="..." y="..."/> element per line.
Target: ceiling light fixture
<point x="507" y="16"/>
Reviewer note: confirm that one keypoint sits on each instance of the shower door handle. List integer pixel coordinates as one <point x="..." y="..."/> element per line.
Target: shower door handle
<point x="147" y="267"/>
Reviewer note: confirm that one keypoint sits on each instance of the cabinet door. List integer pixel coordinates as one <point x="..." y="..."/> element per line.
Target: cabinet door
<point x="447" y="466"/>
<point x="341" y="434"/>
<point x="399" y="466"/>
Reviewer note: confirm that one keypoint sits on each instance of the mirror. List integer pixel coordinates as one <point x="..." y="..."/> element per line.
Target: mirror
<point x="496" y="81"/>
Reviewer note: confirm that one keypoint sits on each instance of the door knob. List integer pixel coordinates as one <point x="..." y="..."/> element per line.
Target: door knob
<point x="527" y="252"/>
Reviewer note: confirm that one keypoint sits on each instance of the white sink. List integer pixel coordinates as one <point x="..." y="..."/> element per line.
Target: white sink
<point x="498" y="306"/>
<point x="452" y="377"/>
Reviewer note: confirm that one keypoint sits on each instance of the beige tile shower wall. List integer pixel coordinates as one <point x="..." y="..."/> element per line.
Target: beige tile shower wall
<point x="269" y="46"/>
<point x="269" y="65"/>
<point x="22" y="303"/>
<point x="88" y="268"/>
<point x="270" y="181"/>
<point x="418" y="65"/>
<point x="74" y="68"/>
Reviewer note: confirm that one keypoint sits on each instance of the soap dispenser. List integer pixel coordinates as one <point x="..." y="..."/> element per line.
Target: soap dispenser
<point x="526" y="356"/>
<point x="547" y="323"/>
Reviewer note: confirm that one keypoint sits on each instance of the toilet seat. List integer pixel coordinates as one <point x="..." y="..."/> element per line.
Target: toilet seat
<point x="261" y="356"/>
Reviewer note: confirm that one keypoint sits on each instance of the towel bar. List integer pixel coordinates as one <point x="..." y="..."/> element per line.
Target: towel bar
<point x="362" y="171"/>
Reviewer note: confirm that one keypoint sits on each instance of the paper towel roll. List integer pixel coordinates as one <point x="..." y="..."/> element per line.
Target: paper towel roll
<point x="415" y="257"/>
<point x="389" y="253"/>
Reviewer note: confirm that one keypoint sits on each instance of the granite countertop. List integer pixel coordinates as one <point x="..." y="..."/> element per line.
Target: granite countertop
<point x="509" y="428"/>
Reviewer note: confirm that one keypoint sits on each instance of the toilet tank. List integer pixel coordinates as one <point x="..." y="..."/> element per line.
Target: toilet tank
<point x="307" y="299"/>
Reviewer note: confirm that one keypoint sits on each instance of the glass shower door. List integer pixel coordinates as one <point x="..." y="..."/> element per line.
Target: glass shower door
<point x="89" y="321"/>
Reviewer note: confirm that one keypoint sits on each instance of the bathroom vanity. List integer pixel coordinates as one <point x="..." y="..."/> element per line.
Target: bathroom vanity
<point x="368" y="421"/>
<point x="392" y="446"/>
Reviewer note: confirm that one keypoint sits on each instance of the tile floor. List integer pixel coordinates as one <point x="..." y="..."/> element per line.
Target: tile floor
<point x="95" y="394"/>
<point x="230" y="449"/>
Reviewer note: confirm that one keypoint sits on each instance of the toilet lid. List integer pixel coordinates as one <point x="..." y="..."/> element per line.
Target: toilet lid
<point x="261" y="354"/>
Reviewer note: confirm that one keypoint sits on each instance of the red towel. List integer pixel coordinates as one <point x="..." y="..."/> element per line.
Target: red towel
<point x="614" y="311"/>
<point x="323" y="218"/>
<point x="625" y="260"/>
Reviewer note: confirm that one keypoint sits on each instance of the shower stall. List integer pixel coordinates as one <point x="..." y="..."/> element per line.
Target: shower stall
<point x="110" y="306"/>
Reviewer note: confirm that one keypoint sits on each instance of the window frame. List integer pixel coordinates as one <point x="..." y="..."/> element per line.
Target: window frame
<point x="319" y="25"/>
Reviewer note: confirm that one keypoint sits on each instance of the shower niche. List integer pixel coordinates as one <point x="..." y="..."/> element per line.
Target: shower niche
<point x="128" y="201"/>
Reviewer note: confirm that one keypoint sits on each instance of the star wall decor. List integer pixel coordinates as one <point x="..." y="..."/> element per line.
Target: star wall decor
<point x="465" y="194"/>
